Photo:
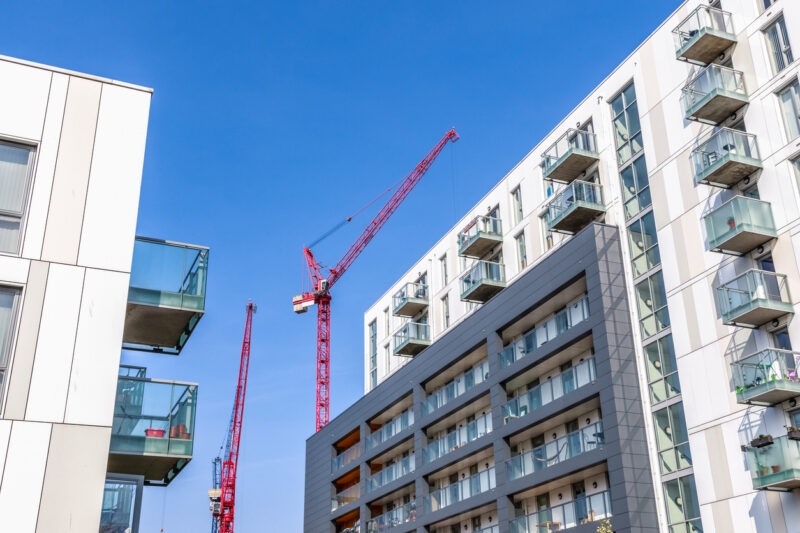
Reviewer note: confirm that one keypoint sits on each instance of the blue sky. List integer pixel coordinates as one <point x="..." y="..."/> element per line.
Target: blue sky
<point x="272" y="121"/>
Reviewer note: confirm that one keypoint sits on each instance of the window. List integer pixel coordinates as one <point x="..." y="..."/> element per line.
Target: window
<point x="373" y="354"/>
<point x="386" y="329"/>
<point x="16" y="161"/>
<point x="522" y="257"/>
<point x="790" y="107"/>
<point x="765" y="4"/>
<point x="672" y="438"/>
<point x="683" y="511"/>
<point x="635" y="187"/>
<point x="445" y="311"/>
<point x="778" y="43"/>
<point x="781" y="339"/>
<point x="652" y="303"/>
<point x="627" y="129"/>
<point x="387" y="358"/>
<point x="644" y="244"/>
<point x="662" y="371"/>
<point x="443" y="264"/>
<point x="122" y="501"/>
<point x="516" y="204"/>
<point x="8" y="312"/>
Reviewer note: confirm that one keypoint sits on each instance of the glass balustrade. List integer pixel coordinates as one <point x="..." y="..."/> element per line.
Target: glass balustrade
<point x="490" y="529"/>
<point x="726" y="157"/>
<point x="460" y="490"/>
<point x="479" y="236"/>
<point x="399" y="423"/>
<point x="704" y="35"/>
<point x="714" y="94"/>
<point x="574" y="207"/>
<point x="411" y="338"/>
<point x="571" y="154"/>
<point x="576" y="377"/>
<point x="456" y="439"/>
<point x="579" y="511"/>
<point x="118" y="511"/>
<point x="754" y="298"/>
<point x="455" y="388"/>
<point x="556" y="451"/>
<point x="482" y="281"/>
<point x="395" y="517"/>
<point x="346" y="457"/>
<point x="348" y="495"/>
<point x="410" y="299"/>
<point x="557" y="324"/>
<point x="739" y="225"/>
<point x="775" y="465"/>
<point x="767" y="377"/>
<point x="391" y="473"/>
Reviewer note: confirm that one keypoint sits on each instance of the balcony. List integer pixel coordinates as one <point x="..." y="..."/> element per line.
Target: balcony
<point x="397" y="424"/>
<point x="153" y="428"/>
<point x="556" y="451"/>
<point x="546" y="392"/>
<point x="411" y="339"/>
<point x="768" y="377"/>
<point x="739" y="225"/>
<point x="480" y="236"/>
<point x="574" y="208"/>
<point x="775" y="466"/>
<point x="705" y="34"/>
<point x="579" y="511"/>
<point x="726" y="158"/>
<point x="455" y="388"/>
<point x="456" y="439"/>
<point x="345" y="497"/>
<point x="754" y="298"/>
<point x="395" y="517"/>
<point x="167" y="295"/>
<point x="410" y="299"/>
<point x="569" y="156"/>
<point x="460" y="490"/>
<point x="391" y="473"/>
<point x="482" y="281"/>
<point x="346" y="457"/>
<point x="714" y="94"/>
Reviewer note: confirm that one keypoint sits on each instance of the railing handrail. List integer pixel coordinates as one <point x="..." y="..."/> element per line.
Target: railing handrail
<point x="377" y="477"/>
<point x="589" y="362"/>
<point x="598" y="426"/>
<point x="350" y="489"/>
<point x="486" y="473"/>
<point x="481" y="369"/>
<point x="734" y="198"/>
<point x="712" y="66"/>
<point x="409" y="413"/>
<point x="478" y="263"/>
<point x="587" y="498"/>
<point x="401" y="292"/>
<point x="487" y="416"/>
<point x="405" y="508"/>
<point x="162" y="381"/>
<point x="171" y="243"/>
<point x="566" y="135"/>
<point x="748" y="272"/>
<point x="694" y="12"/>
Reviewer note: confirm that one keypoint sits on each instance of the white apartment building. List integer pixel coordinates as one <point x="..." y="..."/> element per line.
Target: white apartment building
<point x="692" y="148"/>
<point x="79" y="434"/>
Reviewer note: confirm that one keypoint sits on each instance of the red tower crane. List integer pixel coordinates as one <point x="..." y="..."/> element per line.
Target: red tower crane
<point x="223" y="493"/>
<point x="321" y="285"/>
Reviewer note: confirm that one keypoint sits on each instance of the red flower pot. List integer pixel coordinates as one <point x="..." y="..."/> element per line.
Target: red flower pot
<point x="154" y="432"/>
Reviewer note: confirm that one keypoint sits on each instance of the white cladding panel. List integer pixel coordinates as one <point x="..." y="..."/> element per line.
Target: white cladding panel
<point x="13" y="269"/>
<point x="23" y="100"/>
<point x="21" y="488"/>
<point x="5" y="436"/>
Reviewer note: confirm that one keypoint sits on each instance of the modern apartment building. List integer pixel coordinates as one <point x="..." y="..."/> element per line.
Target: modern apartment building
<point x="691" y="150"/>
<point x="81" y="434"/>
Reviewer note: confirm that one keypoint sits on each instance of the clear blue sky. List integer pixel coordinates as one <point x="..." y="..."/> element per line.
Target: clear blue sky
<point x="270" y="122"/>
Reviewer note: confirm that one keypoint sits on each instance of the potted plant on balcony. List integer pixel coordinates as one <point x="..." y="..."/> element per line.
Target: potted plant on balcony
<point x="761" y="441"/>
<point x="731" y="223"/>
<point x="154" y="432"/>
<point x="792" y="433"/>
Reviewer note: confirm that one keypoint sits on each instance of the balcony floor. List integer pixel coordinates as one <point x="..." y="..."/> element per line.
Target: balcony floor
<point x="570" y="166"/>
<point x="410" y="307"/>
<point x="769" y="393"/>
<point x="717" y="106"/>
<point x="154" y="467"/>
<point x="483" y="292"/>
<point x="706" y="46"/>
<point x="757" y="313"/>
<point x="159" y="327"/>
<point x="729" y="171"/>
<point x="740" y="240"/>
<point x="785" y="479"/>
<point x="580" y="215"/>
<point x="480" y="244"/>
<point x="412" y="347"/>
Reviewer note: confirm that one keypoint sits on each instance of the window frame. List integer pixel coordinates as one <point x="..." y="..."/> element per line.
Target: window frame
<point x="372" y="329"/>
<point x="33" y="150"/>
<point x="522" y="250"/>
<point x="443" y="270"/>
<point x="628" y="141"/>
<point x="7" y="350"/>
<point x="793" y="85"/>
<point x="776" y="30"/>
<point x="669" y="381"/>
<point x="653" y="312"/>
<point x="516" y="204"/>
<point x="445" y="301"/>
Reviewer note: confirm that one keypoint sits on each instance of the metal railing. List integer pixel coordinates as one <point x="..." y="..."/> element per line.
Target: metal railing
<point x="399" y="423"/>
<point x="460" y="490"/>
<point x="582" y="510"/>
<point x="774" y="463"/>
<point x="456" y="439"/>
<point x="411" y="331"/>
<point x="710" y="79"/>
<point x="392" y="472"/>
<point x="766" y="367"/>
<point x="480" y="225"/>
<point x="346" y="457"/>
<point x="576" y="193"/>
<point x="701" y="20"/>
<point x="393" y="518"/>
<point x="752" y="289"/>
<point x="455" y="388"/>
<point x="482" y="272"/>
<point x="740" y="213"/>
<point x="557" y="451"/>
<point x="572" y="140"/>
<point x="418" y="291"/>
<point x="723" y="145"/>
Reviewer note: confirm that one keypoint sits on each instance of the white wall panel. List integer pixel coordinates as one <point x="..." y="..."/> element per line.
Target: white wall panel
<point x="112" y="203"/>
<point x="51" y="366"/>
<point x="23" y="99"/>
<point x="21" y="488"/>
<point x="45" y="168"/>
<point x="92" y="383"/>
<point x="5" y="435"/>
<point x="13" y="269"/>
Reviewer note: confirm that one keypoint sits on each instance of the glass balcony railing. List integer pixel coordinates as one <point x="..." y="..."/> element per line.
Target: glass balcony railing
<point x="714" y="94"/>
<point x="727" y="157"/>
<point x="355" y="529"/>
<point x="410" y="299"/>
<point x="490" y="529"/>
<point x="346" y="457"/>
<point x="347" y="496"/>
<point x="768" y="377"/>
<point x="460" y="490"/>
<point x="411" y="338"/>
<point x="455" y="388"/>
<point x="152" y="418"/>
<point x="118" y="511"/>
<point x="480" y="236"/>
<point x="391" y="473"/>
<point x="575" y="207"/>
<point x="775" y="465"/>
<point x="554" y="326"/>
<point x="167" y="295"/>
<point x="704" y="35"/>
<point x="399" y="423"/>
<point x="583" y="510"/>
<point x="576" y="377"/>
<point x="557" y="451"/>
<point x="482" y="281"/>
<point x="754" y="298"/>
<point x="739" y="225"/>
<point x="571" y="154"/>
<point x="456" y="439"/>
<point x="395" y="517"/>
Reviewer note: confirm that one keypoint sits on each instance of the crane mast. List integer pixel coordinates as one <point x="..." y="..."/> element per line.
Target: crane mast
<point x="223" y="493"/>
<point x="321" y="285"/>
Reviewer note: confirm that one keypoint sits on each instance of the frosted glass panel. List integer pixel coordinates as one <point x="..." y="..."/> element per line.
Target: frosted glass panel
<point x="14" y="161"/>
<point x="7" y="299"/>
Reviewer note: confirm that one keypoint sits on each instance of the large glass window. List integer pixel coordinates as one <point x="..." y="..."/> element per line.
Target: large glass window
<point x="627" y="129"/>
<point x="516" y="207"/>
<point x="9" y="301"/>
<point x="662" y="370"/>
<point x="121" y="505"/>
<point x="790" y="107"/>
<point x="522" y="255"/>
<point x="778" y="42"/>
<point x="15" y="163"/>
<point x="635" y="187"/>
<point x="683" y="510"/>
<point x="373" y="354"/>
<point x="443" y="265"/>
<point x="672" y="438"/>
<point x="652" y="303"/>
<point x="445" y="311"/>
<point x="644" y="244"/>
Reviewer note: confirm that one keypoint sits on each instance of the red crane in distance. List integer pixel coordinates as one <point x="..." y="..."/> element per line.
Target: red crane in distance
<point x="321" y="284"/>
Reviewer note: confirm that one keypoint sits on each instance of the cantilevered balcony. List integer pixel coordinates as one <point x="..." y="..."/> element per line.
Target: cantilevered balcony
<point x="395" y="517"/>
<point x="482" y="281"/>
<point x="410" y="299"/>
<point x="571" y="154"/>
<point x="556" y="451"/>
<point x="705" y="34"/>
<point x="714" y="94"/>
<point x="461" y="490"/>
<point x="153" y="428"/>
<point x="411" y="339"/>
<point x="480" y="236"/>
<point x="754" y="298"/>
<point x="167" y="295"/>
<point x="739" y="225"/>
<point x="574" y="208"/>
<point x="583" y="510"/>
<point x="726" y="158"/>
<point x="775" y="466"/>
<point x="768" y="377"/>
<point x="456" y="439"/>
